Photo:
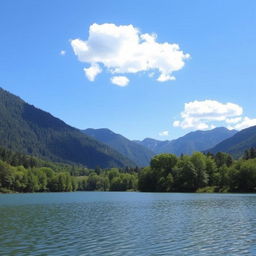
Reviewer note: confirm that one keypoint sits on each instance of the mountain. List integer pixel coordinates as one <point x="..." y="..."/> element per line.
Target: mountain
<point x="189" y="143"/>
<point x="237" y="144"/>
<point x="139" y="154"/>
<point x="29" y="130"/>
<point x="152" y="144"/>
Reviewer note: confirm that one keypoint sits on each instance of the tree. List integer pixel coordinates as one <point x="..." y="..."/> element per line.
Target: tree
<point x="147" y="180"/>
<point x="6" y="175"/>
<point x="199" y="161"/>
<point x="211" y="170"/>
<point x="185" y="176"/>
<point x="163" y="162"/>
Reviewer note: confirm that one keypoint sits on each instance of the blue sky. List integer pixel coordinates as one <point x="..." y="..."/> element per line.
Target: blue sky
<point x="217" y="82"/>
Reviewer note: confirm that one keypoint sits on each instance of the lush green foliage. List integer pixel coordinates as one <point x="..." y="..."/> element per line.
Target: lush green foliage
<point x="198" y="172"/>
<point x="166" y="173"/>
<point x="29" y="130"/>
<point x="23" y="173"/>
<point x="41" y="179"/>
<point x="112" y="180"/>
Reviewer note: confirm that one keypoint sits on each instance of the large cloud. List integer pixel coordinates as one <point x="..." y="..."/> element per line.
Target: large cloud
<point x="123" y="49"/>
<point x="201" y="115"/>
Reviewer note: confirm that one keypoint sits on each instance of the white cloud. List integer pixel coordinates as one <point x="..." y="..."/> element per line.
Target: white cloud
<point x="233" y="120"/>
<point x="124" y="49"/>
<point x="200" y="114"/>
<point x="62" y="52"/>
<point x="92" y="71"/>
<point x="245" y="123"/>
<point x="164" y="78"/>
<point x="120" y="80"/>
<point x="163" y="133"/>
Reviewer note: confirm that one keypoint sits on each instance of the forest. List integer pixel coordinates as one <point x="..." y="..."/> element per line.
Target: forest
<point x="24" y="173"/>
<point x="200" y="173"/>
<point x="167" y="173"/>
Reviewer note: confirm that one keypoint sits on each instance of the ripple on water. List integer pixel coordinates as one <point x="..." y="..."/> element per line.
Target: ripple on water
<point x="127" y="224"/>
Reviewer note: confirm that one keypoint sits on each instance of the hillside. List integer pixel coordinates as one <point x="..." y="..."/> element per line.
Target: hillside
<point x="191" y="142"/>
<point x="137" y="153"/>
<point x="237" y="144"/>
<point x="29" y="130"/>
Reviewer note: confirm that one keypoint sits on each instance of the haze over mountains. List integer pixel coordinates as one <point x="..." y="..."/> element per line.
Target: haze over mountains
<point x="29" y="130"/>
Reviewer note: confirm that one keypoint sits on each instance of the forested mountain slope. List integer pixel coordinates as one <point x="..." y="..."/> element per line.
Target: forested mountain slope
<point x="137" y="153"/>
<point x="27" y="129"/>
<point x="237" y="144"/>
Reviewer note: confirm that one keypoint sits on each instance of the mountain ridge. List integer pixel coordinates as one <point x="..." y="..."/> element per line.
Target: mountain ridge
<point x="190" y="142"/>
<point x="27" y="129"/>
<point x="137" y="153"/>
<point x="237" y="144"/>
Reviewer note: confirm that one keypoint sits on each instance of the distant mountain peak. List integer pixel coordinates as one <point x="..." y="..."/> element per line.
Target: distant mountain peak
<point x="193" y="141"/>
<point x="137" y="153"/>
<point x="238" y="143"/>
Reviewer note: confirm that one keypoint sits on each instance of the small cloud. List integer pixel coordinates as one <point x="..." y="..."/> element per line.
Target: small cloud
<point x="124" y="49"/>
<point x="120" y="80"/>
<point x="176" y="123"/>
<point x="164" y="78"/>
<point x="62" y="52"/>
<point x="92" y="71"/>
<point x="163" y="133"/>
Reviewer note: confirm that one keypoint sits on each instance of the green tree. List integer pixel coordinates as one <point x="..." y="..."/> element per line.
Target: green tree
<point x="199" y="161"/>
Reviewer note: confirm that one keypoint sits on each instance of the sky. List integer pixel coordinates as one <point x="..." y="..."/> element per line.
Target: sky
<point x="157" y="69"/>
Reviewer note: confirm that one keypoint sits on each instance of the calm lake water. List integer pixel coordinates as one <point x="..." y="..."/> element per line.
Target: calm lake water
<point x="113" y="223"/>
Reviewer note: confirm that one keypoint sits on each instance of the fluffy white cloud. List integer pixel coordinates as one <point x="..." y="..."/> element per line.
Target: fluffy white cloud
<point x="62" y="52"/>
<point x="199" y="114"/>
<point x="120" y="80"/>
<point x="245" y="123"/>
<point x="92" y="71"/>
<point x="163" y="133"/>
<point x="124" y="49"/>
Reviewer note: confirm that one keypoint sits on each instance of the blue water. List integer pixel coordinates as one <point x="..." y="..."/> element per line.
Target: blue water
<point x="123" y="223"/>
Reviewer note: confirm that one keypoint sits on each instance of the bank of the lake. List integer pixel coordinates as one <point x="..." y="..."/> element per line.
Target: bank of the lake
<point x="130" y="223"/>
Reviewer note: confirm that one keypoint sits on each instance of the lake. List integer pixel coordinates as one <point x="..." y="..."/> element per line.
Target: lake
<point x="127" y="223"/>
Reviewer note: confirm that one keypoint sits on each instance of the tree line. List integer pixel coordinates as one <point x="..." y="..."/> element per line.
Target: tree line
<point x="45" y="179"/>
<point x="166" y="173"/>
<point x="199" y="173"/>
<point x="24" y="173"/>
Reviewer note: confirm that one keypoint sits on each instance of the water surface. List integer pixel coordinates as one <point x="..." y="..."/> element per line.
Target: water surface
<point x="123" y="223"/>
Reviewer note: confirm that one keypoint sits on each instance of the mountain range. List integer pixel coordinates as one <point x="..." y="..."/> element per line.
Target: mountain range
<point x="237" y="144"/>
<point x="137" y="153"/>
<point x="189" y="143"/>
<point x="29" y="130"/>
